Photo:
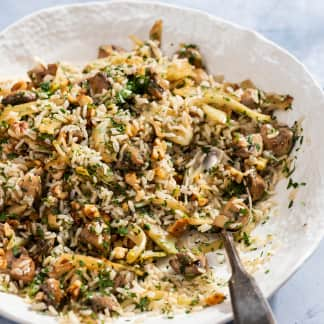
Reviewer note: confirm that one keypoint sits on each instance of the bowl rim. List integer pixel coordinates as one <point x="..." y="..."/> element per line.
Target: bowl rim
<point x="257" y="35"/>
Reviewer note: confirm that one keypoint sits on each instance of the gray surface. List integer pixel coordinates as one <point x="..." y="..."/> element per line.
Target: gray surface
<point x="297" y="25"/>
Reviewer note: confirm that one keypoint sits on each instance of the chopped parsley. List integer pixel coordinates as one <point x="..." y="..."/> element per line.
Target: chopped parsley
<point x="122" y="231"/>
<point x="246" y="239"/>
<point x="143" y="304"/>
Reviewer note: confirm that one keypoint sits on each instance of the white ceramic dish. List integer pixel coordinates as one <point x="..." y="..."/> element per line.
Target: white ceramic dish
<point x="73" y="33"/>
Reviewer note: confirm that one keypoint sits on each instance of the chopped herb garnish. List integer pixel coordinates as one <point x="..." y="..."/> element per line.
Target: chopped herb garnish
<point x="143" y="304"/>
<point x="246" y="239"/>
<point x="122" y="231"/>
<point x="290" y="203"/>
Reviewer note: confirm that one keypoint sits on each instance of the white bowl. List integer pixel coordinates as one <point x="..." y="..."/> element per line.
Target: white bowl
<point x="73" y="33"/>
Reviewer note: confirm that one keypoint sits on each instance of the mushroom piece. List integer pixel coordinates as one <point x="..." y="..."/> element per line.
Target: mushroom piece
<point x="54" y="294"/>
<point x="250" y="98"/>
<point x="89" y="236"/>
<point x="191" y="52"/>
<point x="278" y="140"/>
<point x="124" y="278"/>
<point x="234" y="215"/>
<point x="256" y="186"/>
<point x="132" y="159"/>
<point x="213" y="158"/>
<point x="108" y="50"/>
<point x="189" y="264"/>
<point x="98" y="83"/>
<point x="31" y="185"/>
<point x="38" y="73"/>
<point x="275" y="101"/>
<point x="244" y="146"/>
<point x="100" y="303"/>
<point x="154" y="89"/>
<point x="19" y="97"/>
<point x="21" y="268"/>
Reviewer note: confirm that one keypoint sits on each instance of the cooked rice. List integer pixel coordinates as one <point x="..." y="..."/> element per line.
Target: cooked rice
<point x="116" y="180"/>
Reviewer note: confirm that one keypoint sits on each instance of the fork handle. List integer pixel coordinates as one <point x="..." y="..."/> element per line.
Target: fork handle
<point x="248" y="303"/>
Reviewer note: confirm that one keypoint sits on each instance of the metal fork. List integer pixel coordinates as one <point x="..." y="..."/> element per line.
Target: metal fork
<point x="248" y="303"/>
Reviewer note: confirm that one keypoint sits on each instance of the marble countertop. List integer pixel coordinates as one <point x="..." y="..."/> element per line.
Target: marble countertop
<point x="298" y="26"/>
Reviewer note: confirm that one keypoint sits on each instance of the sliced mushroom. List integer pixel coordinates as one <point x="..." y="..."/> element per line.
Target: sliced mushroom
<point x="100" y="303"/>
<point x="44" y="247"/>
<point x="108" y="50"/>
<point x="19" y="97"/>
<point x="234" y="215"/>
<point x="191" y="52"/>
<point x="189" y="264"/>
<point x="124" y="279"/>
<point x="98" y="83"/>
<point x="21" y="268"/>
<point x="256" y="186"/>
<point x="54" y="294"/>
<point x="89" y="236"/>
<point x="31" y="185"/>
<point x="244" y="146"/>
<point x="38" y="73"/>
<point x="275" y="101"/>
<point x="18" y="129"/>
<point x="278" y="140"/>
<point x="154" y="89"/>
<point x="132" y="159"/>
<point x="250" y="98"/>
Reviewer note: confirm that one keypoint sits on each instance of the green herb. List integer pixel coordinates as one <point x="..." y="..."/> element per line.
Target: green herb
<point x="205" y="149"/>
<point x="81" y="263"/>
<point x="246" y="239"/>
<point x="143" y="304"/>
<point x="267" y="271"/>
<point x="119" y="127"/>
<point x="3" y="217"/>
<point x="123" y="95"/>
<point x="12" y="156"/>
<point x="104" y="280"/>
<point x="45" y="136"/>
<point x="45" y="86"/>
<point x="243" y="211"/>
<point x="292" y="184"/>
<point x="147" y="227"/>
<point x="122" y="231"/>
<point x="290" y="203"/>
<point x="16" y="251"/>
<point x="138" y="84"/>
<point x="40" y="232"/>
<point x="234" y="189"/>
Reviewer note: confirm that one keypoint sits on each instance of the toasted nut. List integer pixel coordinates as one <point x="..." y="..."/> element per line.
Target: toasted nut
<point x="75" y="205"/>
<point x="178" y="227"/>
<point x="74" y="288"/>
<point x="160" y="173"/>
<point x="202" y="201"/>
<point x="91" y="211"/>
<point x="20" y="85"/>
<point x="58" y="193"/>
<point x="52" y="221"/>
<point x="118" y="253"/>
<point x="132" y="180"/>
<point x="125" y="206"/>
<point x="159" y="149"/>
<point x="84" y="100"/>
<point x="214" y="299"/>
<point x="131" y="130"/>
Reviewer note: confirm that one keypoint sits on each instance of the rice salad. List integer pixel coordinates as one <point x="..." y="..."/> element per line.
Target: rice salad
<point x="117" y="177"/>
